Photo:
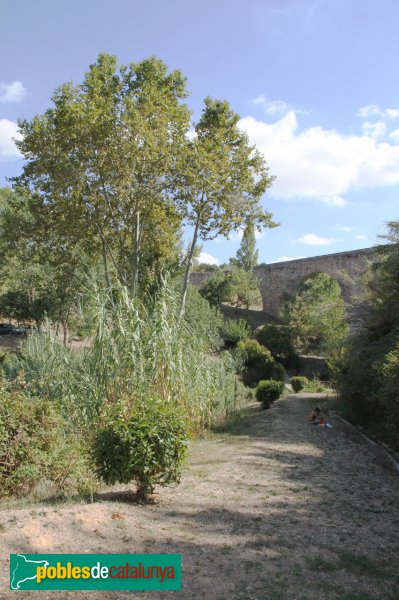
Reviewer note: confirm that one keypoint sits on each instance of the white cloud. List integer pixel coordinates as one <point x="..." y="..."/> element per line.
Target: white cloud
<point x="285" y="259"/>
<point x="375" y="130"/>
<point x="392" y="113"/>
<point x="207" y="259"/>
<point x="276" y="107"/>
<point x="260" y="99"/>
<point x="321" y="164"/>
<point x="346" y="228"/>
<point x="371" y="110"/>
<point x="360" y="236"/>
<point x="12" y="92"/>
<point x="272" y="107"/>
<point x="374" y="110"/>
<point x="312" y="239"/>
<point x="394" y="135"/>
<point x="8" y="130"/>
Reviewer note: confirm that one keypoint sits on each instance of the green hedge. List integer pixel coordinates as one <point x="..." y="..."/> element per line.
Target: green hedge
<point x="268" y="391"/>
<point x="144" y="442"/>
<point x="298" y="383"/>
<point x="35" y="452"/>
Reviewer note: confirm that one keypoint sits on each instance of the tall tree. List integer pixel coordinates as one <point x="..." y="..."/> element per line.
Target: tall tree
<point x="220" y="180"/>
<point x="247" y="254"/>
<point x="98" y="162"/>
<point x="316" y="315"/>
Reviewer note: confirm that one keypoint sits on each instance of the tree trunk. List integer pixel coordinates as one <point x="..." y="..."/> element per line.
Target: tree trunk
<point x="65" y="334"/>
<point x="106" y="271"/>
<point x="188" y="269"/>
<point x="136" y="256"/>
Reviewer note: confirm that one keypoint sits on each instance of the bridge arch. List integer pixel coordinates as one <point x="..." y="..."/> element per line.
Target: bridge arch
<point x="286" y="277"/>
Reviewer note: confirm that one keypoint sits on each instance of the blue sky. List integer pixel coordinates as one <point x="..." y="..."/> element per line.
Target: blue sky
<point x="315" y="82"/>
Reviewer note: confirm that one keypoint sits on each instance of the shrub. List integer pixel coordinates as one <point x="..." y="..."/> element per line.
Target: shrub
<point x="236" y="331"/>
<point x="268" y="391"/>
<point x="255" y="354"/>
<point x="278" y="372"/>
<point x="277" y="338"/>
<point x="315" y="385"/>
<point x="144" y="442"/>
<point x="258" y="362"/>
<point x="299" y="383"/>
<point x="34" y="450"/>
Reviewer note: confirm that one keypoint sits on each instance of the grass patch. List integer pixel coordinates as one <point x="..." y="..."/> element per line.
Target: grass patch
<point x="354" y="563"/>
<point x="321" y="564"/>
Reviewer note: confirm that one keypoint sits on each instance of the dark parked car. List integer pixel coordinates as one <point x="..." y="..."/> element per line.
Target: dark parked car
<point x="8" y="328"/>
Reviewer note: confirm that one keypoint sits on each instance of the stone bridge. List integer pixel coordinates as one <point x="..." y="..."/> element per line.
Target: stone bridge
<point x="285" y="277"/>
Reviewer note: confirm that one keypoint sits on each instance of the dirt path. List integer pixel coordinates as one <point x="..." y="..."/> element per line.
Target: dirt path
<point x="280" y="511"/>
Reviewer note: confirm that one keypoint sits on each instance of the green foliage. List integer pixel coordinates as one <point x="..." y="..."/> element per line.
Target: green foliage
<point x="99" y="161"/>
<point x="204" y="267"/>
<point x="141" y="441"/>
<point x="367" y="373"/>
<point x="258" y="361"/>
<point x="316" y="316"/>
<point x="247" y="254"/>
<point x="219" y="288"/>
<point x="43" y="274"/>
<point x="245" y="288"/>
<point x="255" y="354"/>
<point x="268" y="391"/>
<point x="314" y="385"/>
<point x="277" y="338"/>
<point x="35" y="450"/>
<point x="298" y="383"/>
<point x="220" y="179"/>
<point x="204" y="319"/>
<point x="236" y="331"/>
<point x="278" y="372"/>
<point x="133" y="349"/>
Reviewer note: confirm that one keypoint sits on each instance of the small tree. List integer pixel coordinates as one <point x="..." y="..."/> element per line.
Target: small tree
<point x="220" y="180"/>
<point x="219" y="288"/>
<point x="144" y="442"/>
<point x="247" y="254"/>
<point x="245" y="288"/>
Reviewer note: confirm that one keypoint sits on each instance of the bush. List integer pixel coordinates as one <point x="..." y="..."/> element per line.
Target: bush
<point x="278" y="372"/>
<point x="268" y="391"/>
<point x="144" y="442"/>
<point x="315" y="385"/>
<point x="255" y="354"/>
<point x="258" y="362"/>
<point x="298" y="383"/>
<point x="35" y="452"/>
<point x="236" y="331"/>
<point x="277" y="338"/>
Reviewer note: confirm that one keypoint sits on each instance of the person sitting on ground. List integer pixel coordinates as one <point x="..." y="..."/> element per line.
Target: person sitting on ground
<point x="315" y="418"/>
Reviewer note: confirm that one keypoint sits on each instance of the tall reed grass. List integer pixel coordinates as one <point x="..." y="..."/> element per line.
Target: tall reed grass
<point x="136" y="351"/>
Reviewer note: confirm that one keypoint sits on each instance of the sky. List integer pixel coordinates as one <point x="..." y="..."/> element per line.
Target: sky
<point x="314" y="81"/>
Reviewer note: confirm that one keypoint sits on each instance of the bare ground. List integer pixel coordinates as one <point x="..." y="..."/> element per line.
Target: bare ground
<point x="278" y="510"/>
